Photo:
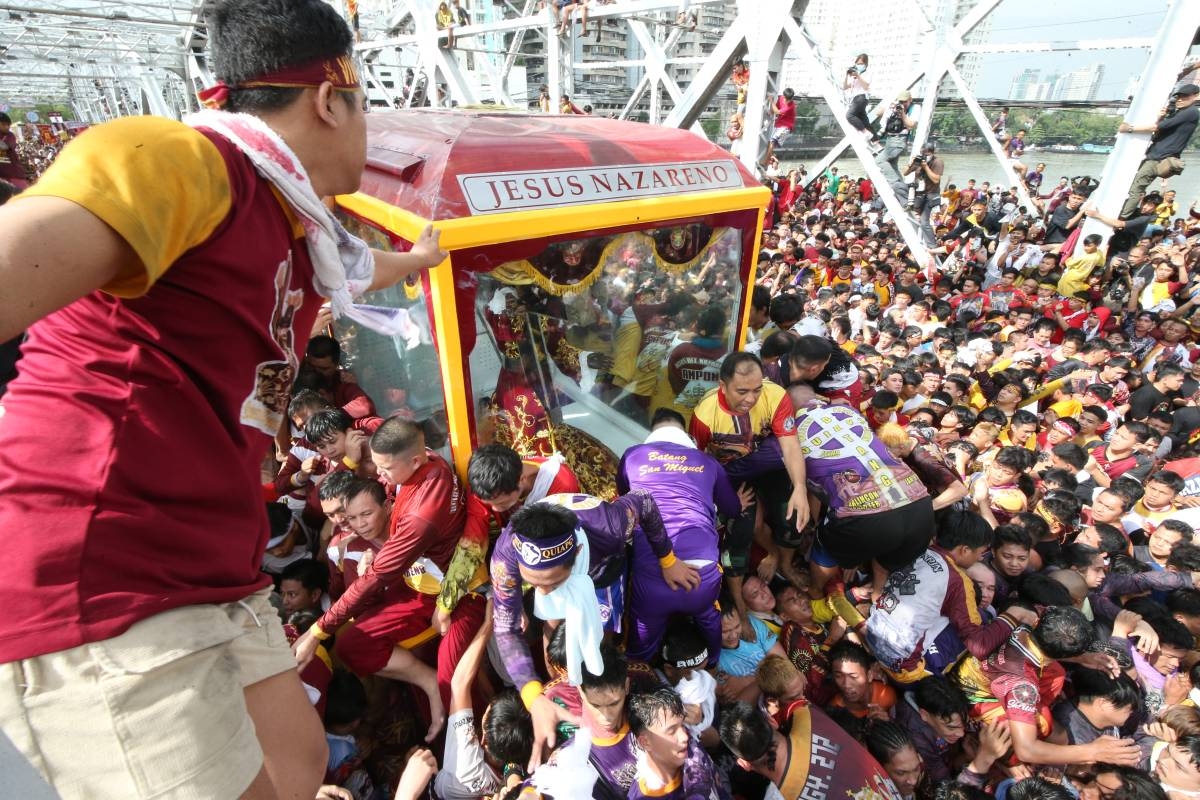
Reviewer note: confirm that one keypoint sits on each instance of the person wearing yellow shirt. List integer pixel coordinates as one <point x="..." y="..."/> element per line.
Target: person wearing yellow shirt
<point x="1080" y="267"/>
<point x="1166" y="209"/>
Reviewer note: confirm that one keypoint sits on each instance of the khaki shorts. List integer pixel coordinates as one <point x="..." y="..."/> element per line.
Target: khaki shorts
<point x="157" y="712"/>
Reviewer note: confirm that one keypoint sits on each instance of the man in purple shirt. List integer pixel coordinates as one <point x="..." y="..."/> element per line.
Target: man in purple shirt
<point x="685" y="483"/>
<point x="539" y="547"/>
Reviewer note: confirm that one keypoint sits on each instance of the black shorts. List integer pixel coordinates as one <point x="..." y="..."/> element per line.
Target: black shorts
<point x="893" y="538"/>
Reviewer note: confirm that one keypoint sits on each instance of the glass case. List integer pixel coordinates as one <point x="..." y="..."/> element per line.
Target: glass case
<point x="401" y="375"/>
<point x="578" y="345"/>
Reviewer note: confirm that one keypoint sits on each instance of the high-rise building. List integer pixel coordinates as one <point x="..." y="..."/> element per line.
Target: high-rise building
<point x="897" y="43"/>
<point x="1082" y="84"/>
<point x="1024" y="85"/>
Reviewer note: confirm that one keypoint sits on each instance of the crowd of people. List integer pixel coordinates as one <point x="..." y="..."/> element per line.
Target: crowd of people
<point x="930" y="535"/>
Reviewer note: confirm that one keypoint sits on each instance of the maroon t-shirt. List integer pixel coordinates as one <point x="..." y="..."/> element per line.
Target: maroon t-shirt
<point x="131" y="449"/>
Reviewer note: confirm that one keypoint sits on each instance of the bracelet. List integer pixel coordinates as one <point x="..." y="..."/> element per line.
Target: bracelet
<point x="350" y="463"/>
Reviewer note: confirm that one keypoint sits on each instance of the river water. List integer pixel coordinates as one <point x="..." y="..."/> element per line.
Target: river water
<point x="984" y="167"/>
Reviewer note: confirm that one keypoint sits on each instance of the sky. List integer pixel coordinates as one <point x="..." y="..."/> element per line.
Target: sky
<point x="1071" y="20"/>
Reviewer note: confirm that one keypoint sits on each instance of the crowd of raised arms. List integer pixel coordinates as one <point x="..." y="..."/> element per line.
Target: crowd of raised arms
<point x="930" y="535"/>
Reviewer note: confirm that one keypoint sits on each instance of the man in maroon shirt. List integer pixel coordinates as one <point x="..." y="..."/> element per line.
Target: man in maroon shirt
<point x="386" y="612"/>
<point x="324" y="357"/>
<point x="168" y="293"/>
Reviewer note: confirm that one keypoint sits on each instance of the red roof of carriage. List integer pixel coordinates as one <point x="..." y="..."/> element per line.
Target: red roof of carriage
<point x="414" y="157"/>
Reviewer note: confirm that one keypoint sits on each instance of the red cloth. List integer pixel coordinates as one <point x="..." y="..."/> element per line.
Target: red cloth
<point x="112" y="394"/>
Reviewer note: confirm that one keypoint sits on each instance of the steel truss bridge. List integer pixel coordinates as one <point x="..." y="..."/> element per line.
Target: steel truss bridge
<point x="105" y="59"/>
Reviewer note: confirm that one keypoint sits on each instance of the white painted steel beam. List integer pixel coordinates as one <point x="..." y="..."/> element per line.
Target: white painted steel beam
<point x="1171" y="46"/>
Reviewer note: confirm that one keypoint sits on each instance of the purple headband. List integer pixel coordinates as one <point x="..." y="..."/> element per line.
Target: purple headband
<point x="544" y="555"/>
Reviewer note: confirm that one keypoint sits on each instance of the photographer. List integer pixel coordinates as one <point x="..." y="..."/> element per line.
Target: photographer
<point x="926" y="188"/>
<point x="856" y="87"/>
<point x="896" y="127"/>
<point x="1170" y="136"/>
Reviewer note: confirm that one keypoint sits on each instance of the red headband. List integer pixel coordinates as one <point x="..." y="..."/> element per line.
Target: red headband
<point x="338" y="71"/>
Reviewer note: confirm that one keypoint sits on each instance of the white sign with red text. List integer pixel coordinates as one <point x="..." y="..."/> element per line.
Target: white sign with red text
<point x="493" y="192"/>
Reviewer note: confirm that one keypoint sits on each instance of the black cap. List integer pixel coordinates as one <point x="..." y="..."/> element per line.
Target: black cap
<point x="1188" y="89"/>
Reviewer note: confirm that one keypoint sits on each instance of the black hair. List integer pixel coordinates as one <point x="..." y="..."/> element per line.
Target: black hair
<point x="884" y="739"/>
<point x="556" y="648"/>
<point x="251" y="38"/>
<point x="1023" y="417"/>
<point x="1179" y="526"/>
<point x="711" y="321"/>
<point x="542" y="521"/>
<point x="304" y="619"/>
<point x="5" y="119"/>
<point x="785" y="310"/>
<point x="1129" y="488"/>
<point x="279" y="519"/>
<point x="846" y="650"/>
<point x="1172" y="480"/>
<point x="322" y="346"/>
<point x="963" y="528"/>
<point x="730" y="366"/>
<point x="811" y="350"/>
<point x="761" y="297"/>
<point x="508" y="729"/>
<point x="940" y="698"/>
<point x="1063" y="631"/>
<point x="368" y="487"/>
<point x="1184" y="557"/>
<point x="777" y="344"/>
<point x="615" y="674"/>
<point x="1039" y="589"/>
<point x="1184" y="601"/>
<point x="1032" y="524"/>
<point x="884" y="398"/>
<point x="494" y="469"/>
<point x="1061" y="478"/>
<point x="345" y="699"/>
<point x="1124" y="564"/>
<point x="682" y="641"/>
<point x="1136" y="784"/>
<point x="396" y="437"/>
<point x="951" y="789"/>
<point x="993" y="415"/>
<point x="1076" y="555"/>
<point x="746" y="731"/>
<point x="1140" y="430"/>
<point x="1011" y="534"/>
<point x="323" y="425"/>
<point x="305" y="400"/>
<point x="1192" y="745"/>
<point x="1063" y="506"/>
<point x="667" y="414"/>
<point x="336" y="485"/>
<point x="645" y="707"/>
<point x="311" y="574"/>
<point x="1171" y="632"/>
<point x="1092" y="684"/>
<point x="1013" y="457"/>
<point x="1112" y="538"/>
<point x="1038" y="789"/>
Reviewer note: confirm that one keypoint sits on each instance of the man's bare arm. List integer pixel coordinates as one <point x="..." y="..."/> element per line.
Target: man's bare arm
<point x="53" y="252"/>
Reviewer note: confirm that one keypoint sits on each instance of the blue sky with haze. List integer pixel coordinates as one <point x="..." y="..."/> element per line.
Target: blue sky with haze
<point x="1028" y="21"/>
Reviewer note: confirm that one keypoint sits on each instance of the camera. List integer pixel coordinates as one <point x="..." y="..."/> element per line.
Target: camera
<point x="918" y="159"/>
